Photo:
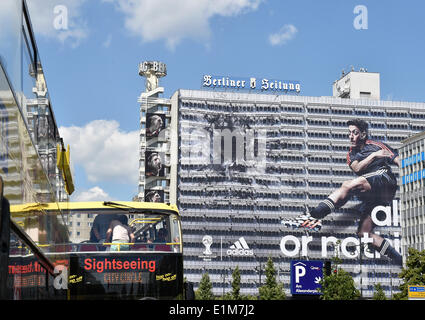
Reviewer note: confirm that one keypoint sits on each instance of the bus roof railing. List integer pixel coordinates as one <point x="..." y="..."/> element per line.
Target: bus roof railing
<point x="135" y="205"/>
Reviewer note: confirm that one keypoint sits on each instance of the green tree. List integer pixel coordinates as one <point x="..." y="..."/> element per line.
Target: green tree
<point x="339" y="285"/>
<point x="236" y="288"/>
<point x="379" y="293"/>
<point x="413" y="274"/>
<point x="236" y="284"/>
<point x="272" y="290"/>
<point x="204" y="291"/>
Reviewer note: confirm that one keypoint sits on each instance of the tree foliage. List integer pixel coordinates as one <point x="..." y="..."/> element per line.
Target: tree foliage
<point x="235" y="294"/>
<point x="272" y="290"/>
<point x="379" y="294"/>
<point x="236" y="284"/>
<point x="204" y="291"/>
<point x="339" y="285"/>
<point x="413" y="273"/>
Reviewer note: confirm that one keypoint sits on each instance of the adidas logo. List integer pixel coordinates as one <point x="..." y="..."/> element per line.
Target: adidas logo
<point x="240" y="248"/>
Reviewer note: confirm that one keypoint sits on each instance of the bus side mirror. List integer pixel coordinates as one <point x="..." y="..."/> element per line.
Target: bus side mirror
<point x="4" y="242"/>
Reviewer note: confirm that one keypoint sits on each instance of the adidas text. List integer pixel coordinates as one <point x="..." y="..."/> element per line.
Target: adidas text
<point x="240" y="248"/>
<point x="240" y="252"/>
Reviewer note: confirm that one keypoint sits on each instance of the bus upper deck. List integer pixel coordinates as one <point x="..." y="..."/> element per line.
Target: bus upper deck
<point x="91" y="260"/>
<point x="83" y="226"/>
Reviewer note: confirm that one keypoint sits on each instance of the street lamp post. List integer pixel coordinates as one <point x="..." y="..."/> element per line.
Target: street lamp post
<point x="223" y="276"/>
<point x="361" y="269"/>
<point x="259" y="270"/>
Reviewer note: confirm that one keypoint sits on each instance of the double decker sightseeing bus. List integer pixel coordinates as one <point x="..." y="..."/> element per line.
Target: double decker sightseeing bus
<point x="87" y="263"/>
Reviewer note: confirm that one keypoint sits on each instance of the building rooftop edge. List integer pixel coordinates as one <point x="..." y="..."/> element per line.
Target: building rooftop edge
<point x="413" y="138"/>
<point x="354" y="71"/>
<point x="265" y="97"/>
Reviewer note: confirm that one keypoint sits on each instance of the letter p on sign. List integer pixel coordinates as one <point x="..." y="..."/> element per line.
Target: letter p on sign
<point x="299" y="272"/>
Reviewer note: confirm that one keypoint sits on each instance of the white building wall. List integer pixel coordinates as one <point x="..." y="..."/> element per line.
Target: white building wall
<point x="306" y="147"/>
<point x="413" y="193"/>
<point x="358" y="85"/>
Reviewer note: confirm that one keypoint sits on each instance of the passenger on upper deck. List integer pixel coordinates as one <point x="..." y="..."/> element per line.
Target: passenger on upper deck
<point x="120" y="232"/>
<point x="100" y="226"/>
<point x="161" y="237"/>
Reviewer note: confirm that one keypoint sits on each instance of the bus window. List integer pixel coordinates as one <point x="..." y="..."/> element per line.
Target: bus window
<point x="156" y="233"/>
<point x="98" y="232"/>
<point x="175" y="234"/>
<point x="47" y="228"/>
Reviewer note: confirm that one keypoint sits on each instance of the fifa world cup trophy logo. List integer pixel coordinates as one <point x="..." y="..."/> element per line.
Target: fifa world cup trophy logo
<point x="207" y="242"/>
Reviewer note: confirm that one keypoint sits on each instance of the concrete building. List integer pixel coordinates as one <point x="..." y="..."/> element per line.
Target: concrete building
<point x="358" y="85"/>
<point x="239" y="161"/>
<point x="155" y="136"/>
<point x="412" y="192"/>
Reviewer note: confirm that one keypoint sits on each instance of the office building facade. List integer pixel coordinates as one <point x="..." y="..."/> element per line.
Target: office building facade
<point x="412" y="192"/>
<point x="247" y="160"/>
<point x="237" y="162"/>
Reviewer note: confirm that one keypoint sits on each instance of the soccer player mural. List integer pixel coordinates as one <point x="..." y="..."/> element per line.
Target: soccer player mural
<point x="375" y="185"/>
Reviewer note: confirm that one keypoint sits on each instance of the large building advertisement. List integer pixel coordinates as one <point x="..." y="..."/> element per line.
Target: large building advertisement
<point x="251" y="164"/>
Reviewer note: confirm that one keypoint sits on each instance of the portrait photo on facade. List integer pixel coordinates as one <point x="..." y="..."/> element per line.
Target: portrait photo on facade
<point x="154" y="196"/>
<point x="155" y="123"/>
<point x="154" y="164"/>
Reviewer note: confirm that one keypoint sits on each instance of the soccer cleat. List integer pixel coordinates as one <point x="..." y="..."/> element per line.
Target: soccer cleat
<point x="303" y="221"/>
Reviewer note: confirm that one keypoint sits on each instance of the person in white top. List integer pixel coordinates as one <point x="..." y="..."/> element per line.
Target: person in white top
<point x="120" y="232"/>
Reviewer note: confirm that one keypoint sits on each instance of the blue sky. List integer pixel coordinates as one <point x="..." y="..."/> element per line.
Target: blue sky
<point x="91" y="66"/>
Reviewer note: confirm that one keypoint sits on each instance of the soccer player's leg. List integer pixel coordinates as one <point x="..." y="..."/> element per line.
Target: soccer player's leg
<point x="379" y="244"/>
<point x="313" y="219"/>
<point x="383" y="189"/>
<point x="340" y="197"/>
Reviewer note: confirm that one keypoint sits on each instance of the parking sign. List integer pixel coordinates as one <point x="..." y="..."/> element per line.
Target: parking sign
<point x="416" y="292"/>
<point x="306" y="276"/>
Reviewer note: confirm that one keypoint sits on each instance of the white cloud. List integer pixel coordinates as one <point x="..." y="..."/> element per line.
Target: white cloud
<point x="173" y="20"/>
<point x="107" y="42"/>
<point x="93" y="194"/>
<point x="59" y="19"/>
<point x="104" y="151"/>
<point x="286" y="33"/>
